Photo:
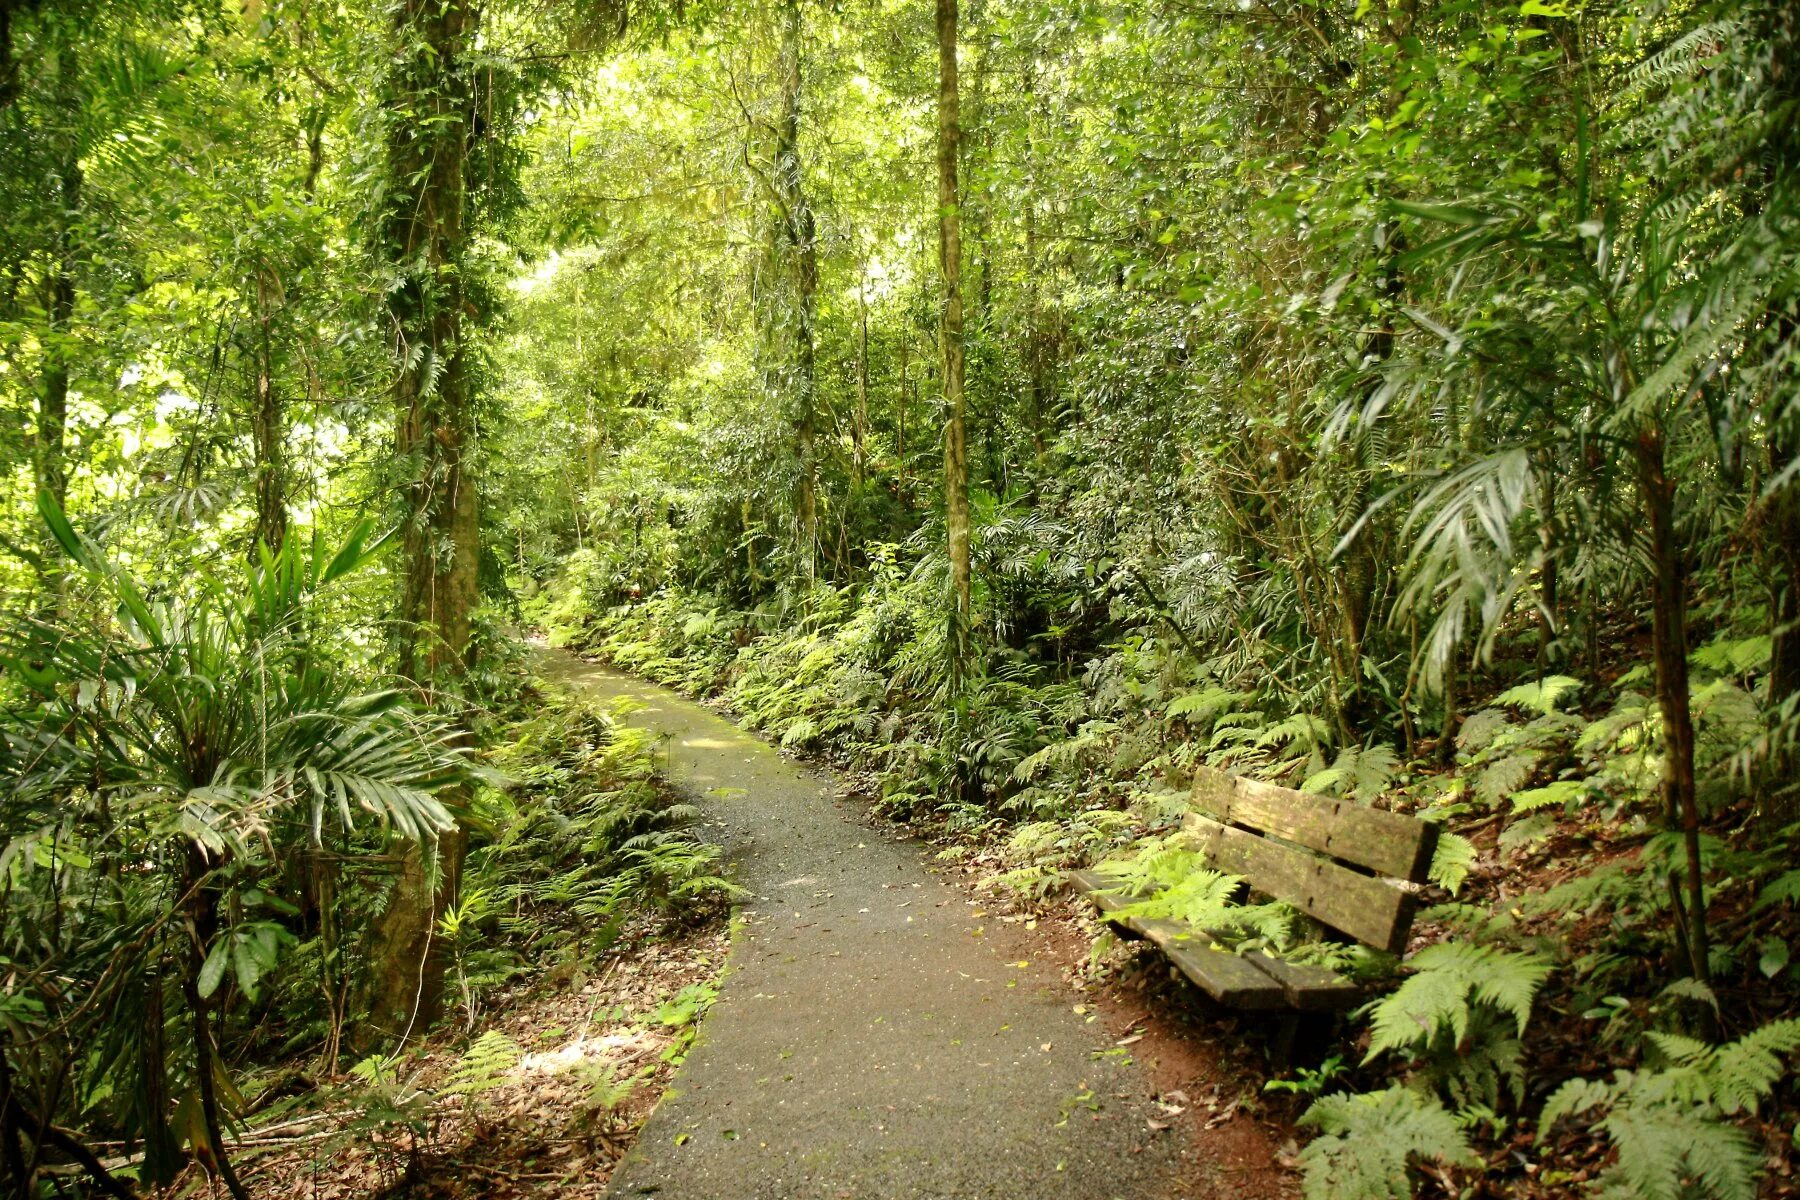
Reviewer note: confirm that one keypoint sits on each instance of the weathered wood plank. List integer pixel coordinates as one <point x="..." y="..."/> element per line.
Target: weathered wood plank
<point x="1307" y="986"/>
<point x="1227" y="978"/>
<point x="1373" y="911"/>
<point x="1387" y="843"/>
<point x="1303" y="986"/>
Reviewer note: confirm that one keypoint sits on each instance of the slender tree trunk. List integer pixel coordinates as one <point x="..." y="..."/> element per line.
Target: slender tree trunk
<point x="1357" y="582"/>
<point x="163" y="1158"/>
<point x="268" y="428"/>
<point x="1548" y="575"/>
<point x="798" y="238"/>
<point x="1783" y="541"/>
<point x="8" y="67"/>
<point x="900" y="400"/>
<point x="201" y="901"/>
<point x="1037" y="349"/>
<point x="426" y="234"/>
<point x="51" y="434"/>
<point x="860" y="432"/>
<point x="956" y="463"/>
<point x="1669" y="637"/>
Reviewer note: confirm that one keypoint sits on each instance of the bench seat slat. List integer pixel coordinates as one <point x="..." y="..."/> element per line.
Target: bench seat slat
<point x="1386" y="843"/>
<point x="1253" y="981"/>
<point x="1309" y="987"/>
<point x="1371" y="910"/>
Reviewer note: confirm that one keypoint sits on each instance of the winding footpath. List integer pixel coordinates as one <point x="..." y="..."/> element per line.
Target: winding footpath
<point x="870" y="1040"/>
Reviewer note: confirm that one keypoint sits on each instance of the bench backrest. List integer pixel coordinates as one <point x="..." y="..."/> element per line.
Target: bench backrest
<point x="1335" y="860"/>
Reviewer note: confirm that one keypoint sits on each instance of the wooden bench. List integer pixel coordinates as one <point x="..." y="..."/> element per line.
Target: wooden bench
<point x="1337" y="861"/>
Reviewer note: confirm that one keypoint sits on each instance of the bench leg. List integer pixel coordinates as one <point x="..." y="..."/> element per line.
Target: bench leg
<point x="1281" y="1049"/>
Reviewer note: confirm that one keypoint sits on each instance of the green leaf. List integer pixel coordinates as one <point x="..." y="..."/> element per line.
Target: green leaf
<point x="60" y="529"/>
<point x="1454" y="214"/>
<point x="212" y="971"/>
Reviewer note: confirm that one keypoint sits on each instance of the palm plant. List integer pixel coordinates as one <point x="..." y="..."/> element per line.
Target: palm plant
<point x="1606" y="343"/>
<point x="162" y="760"/>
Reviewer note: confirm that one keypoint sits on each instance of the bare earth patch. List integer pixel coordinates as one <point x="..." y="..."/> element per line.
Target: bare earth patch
<point x="552" y="1122"/>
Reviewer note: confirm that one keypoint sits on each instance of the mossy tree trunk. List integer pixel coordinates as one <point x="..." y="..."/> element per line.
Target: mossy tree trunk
<point x="950" y="329"/>
<point x="431" y="111"/>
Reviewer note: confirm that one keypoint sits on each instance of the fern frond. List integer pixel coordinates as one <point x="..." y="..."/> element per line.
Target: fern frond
<point x="1542" y="696"/>
<point x="484" y="1065"/>
<point x="1450" y="979"/>
<point x="1367" y="1143"/>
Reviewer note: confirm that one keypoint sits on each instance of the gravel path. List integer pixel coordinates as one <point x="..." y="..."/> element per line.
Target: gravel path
<point x="869" y="1041"/>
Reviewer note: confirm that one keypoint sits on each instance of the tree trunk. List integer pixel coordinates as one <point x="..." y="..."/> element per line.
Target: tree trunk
<point x="860" y="432"/>
<point x="8" y="67"/>
<point x="163" y="1157"/>
<point x="797" y="235"/>
<point x="1037" y="340"/>
<point x="268" y="429"/>
<point x="1548" y="575"/>
<point x="956" y="464"/>
<point x="425" y="234"/>
<point x="900" y="399"/>
<point x="200" y="900"/>
<point x="1357" y="580"/>
<point x="1782" y="539"/>
<point x="1669" y="638"/>
<point x="51" y="434"/>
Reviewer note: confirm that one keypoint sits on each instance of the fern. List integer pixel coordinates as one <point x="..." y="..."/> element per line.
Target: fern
<point x="1362" y="772"/>
<point x="605" y="1090"/>
<point x="1522" y="834"/>
<point x="1728" y="656"/>
<point x="1202" y="706"/>
<point x="484" y="1065"/>
<point x="1481" y="729"/>
<point x="1451" y="862"/>
<point x="1562" y="792"/>
<point x="1783" y="889"/>
<point x="799" y="732"/>
<point x="1170" y="882"/>
<point x="1541" y="697"/>
<point x="1670" y="1126"/>
<point x="1204" y="900"/>
<point x="1301" y="727"/>
<point x="1451" y="979"/>
<point x="1367" y="1143"/>
<point x="1158" y="863"/>
<point x="1502" y="778"/>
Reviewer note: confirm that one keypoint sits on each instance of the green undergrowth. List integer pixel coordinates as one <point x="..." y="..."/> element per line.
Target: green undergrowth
<point x="581" y="840"/>
<point x="579" y="855"/>
<point x="1528" y="1037"/>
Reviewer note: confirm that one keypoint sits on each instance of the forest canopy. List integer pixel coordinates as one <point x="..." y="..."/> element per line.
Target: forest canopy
<point x="1022" y="404"/>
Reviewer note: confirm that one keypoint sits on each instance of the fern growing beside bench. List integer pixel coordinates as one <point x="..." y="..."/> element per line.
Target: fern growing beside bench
<point x="1351" y="868"/>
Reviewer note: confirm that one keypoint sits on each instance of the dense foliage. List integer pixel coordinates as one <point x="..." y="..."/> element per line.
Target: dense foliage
<point x="1022" y="404"/>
